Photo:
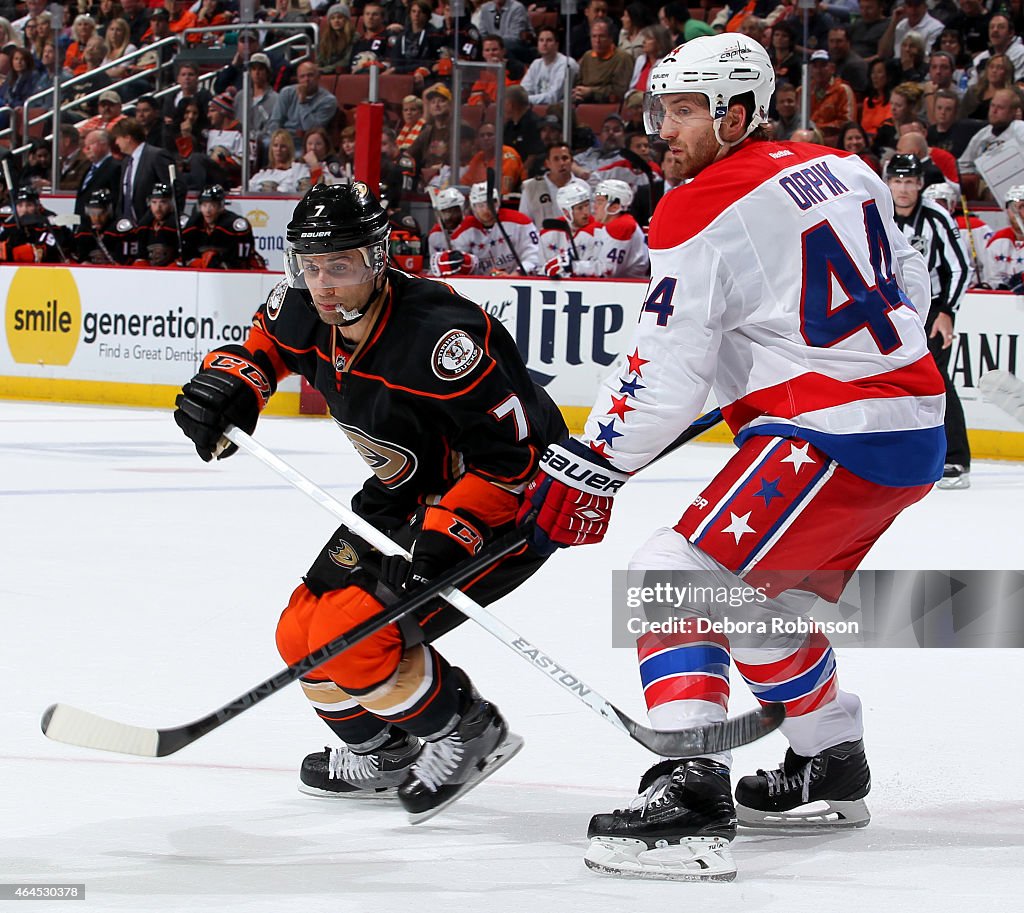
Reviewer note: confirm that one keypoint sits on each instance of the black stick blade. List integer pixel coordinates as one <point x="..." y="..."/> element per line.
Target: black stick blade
<point x="711" y="738"/>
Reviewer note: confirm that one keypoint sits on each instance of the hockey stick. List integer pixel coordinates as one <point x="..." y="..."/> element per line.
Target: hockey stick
<point x="68" y="724"/>
<point x="172" y="174"/>
<point x="17" y="220"/>
<point x="491" y="189"/>
<point x="683" y="743"/>
<point x="440" y="221"/>
<point x="970" y="237"/>
<point x="563" y="226"/>
<point x="64" y="723"/>
<point x="1003" y="389"/>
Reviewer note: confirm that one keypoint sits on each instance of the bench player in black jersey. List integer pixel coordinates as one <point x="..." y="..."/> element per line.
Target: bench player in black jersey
<point x="434" y="395"/>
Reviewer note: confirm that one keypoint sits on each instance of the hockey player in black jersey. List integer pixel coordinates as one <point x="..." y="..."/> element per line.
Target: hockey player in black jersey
<point x="102" y="240"/>
<point x="156" y="235"/>
<point x="29" y="236"/>
<point x="216" y="238"/>
<point x="434" y="395"/>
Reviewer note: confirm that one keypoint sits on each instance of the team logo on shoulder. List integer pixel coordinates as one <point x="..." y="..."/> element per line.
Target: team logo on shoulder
<point x="455" y="355"/>
<point x="124" y="224"/>
<point x="276" y="299"/>
<point x="344" y="555"/>
<point x="240" y="224"/>
<point x="391" y="463"/>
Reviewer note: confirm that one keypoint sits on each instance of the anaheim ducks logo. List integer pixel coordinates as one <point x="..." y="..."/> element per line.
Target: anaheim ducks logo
<point x="391" y="463"/>
<point x="276" y="299"/>
<point x="344" y="555"/>
<point x="455" y="355"/>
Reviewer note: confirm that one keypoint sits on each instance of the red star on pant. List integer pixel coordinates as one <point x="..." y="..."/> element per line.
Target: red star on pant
<point x="619" y="407"/>
<point x="636" y="362"/>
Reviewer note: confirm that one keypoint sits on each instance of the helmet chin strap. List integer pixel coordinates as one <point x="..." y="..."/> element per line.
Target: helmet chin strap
<point x="380" y="285"/>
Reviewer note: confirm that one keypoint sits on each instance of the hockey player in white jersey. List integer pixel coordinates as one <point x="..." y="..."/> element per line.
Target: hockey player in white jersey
<point x="973" y="241"/>
<point x="780" y="282"/>
<point x="483" y="240"/>
<point x="450" y="206"/>
<point x="569" y="245"/>
<point x="1004" y="253"/>
<point x="623" y="245"/>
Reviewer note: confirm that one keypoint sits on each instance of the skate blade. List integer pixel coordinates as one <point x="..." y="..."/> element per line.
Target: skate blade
<point x="360" y="795"/>
<point x="693" y="859"/>
<point x="815" y="816"/>
<point x="955" y="484"/>
<point x="505" y="752"/>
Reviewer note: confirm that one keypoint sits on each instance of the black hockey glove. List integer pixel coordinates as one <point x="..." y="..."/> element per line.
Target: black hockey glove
<point x="230" y="389"/>
<point x="445" y="538"/>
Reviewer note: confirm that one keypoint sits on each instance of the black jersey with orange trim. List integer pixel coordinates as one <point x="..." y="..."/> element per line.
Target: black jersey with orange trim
<point x="436" y="389"/>
<point x="149" y="231"/>
<point x="32" y="242"/>
<point x="230" y="236"/>
<point x="113" y="244"/>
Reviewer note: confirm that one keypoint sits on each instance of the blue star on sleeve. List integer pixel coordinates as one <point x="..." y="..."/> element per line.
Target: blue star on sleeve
<point x="630" y="387"/>
<point x="608" y="433"/>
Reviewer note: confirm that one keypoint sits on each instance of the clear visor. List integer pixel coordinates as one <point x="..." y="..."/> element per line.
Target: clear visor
<point x="654" y="114"/>
<point x="339" y="269"/>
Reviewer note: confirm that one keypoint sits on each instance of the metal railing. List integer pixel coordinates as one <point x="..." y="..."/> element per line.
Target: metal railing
<point x="308" y="36"/>
<point x="499" y="119"/>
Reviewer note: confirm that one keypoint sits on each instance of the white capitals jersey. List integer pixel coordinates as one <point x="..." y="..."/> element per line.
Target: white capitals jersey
<point x="1003" y="258"/>
<point x="585" y="247"/>
<point x="780" y="280"/>
<point x="489" y="247"/>
<point x="623" y="248"/>
<point x="437" y="243"/>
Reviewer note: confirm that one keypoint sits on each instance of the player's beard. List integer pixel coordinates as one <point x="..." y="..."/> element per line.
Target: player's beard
<point x="696" y="156"/>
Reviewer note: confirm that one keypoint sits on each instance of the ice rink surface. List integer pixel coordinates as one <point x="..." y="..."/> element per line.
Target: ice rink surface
<point x="144" y="585"/>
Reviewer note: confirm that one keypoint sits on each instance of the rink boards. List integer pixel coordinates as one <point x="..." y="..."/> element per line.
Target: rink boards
<point x="133" y="336"/>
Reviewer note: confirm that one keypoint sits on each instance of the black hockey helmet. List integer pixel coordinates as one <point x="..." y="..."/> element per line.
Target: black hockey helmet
<point x="160" y="192"/>
<point x="26" y="195"/>
<point x="336" y="217"/>
<point x="328" y="221"/>
<point x="904" y="165"/>
<point x="212" y="193"/>
<point x="99" y="199"/>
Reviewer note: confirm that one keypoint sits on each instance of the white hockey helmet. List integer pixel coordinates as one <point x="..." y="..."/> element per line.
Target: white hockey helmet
<point x="616" y="191"/>
<point x="448" y="198"/>
<point x="1015" y="194"/>
<point x="943" y="192"/>
<point x="478" y="194"/>
<point x="570" y="195"/>
<point x="719" y="67"/>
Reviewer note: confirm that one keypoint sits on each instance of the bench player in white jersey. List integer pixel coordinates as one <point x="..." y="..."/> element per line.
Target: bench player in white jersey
<point x="582" y="255"/>
<point x="973" y="241"/>
<point x="450" y="206"/>
<point x="780" y="282"/>
<point x="623" y="245"/>
<point x="483" y="240"/>
<point x="1004" y="253"/>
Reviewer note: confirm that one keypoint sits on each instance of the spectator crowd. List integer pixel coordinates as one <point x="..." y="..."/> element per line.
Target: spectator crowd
<point x="937" y="79"/>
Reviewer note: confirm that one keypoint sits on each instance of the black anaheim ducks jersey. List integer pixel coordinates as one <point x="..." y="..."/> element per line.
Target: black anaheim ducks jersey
<point x="114" y="244"/>
<point x="230" y="236"/>
<point x="436" y="389"/>
<point x="148" y="232"/>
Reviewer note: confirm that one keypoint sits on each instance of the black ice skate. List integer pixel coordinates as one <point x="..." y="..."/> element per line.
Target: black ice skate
<point x="452" y="766"/>
<point x="825" y="791"/>
<point x="954" y="477"/>
<point x="678" y="828"/>
<point x="340" y="772"/>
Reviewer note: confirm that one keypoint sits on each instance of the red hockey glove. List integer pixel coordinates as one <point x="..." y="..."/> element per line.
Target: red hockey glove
<point x="559" y="267"/>
<point x="570" y="500"/>
<point x="454" y="263"/>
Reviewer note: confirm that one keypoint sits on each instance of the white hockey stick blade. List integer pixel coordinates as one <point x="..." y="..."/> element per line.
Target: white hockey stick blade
<point x="1003" y="389"/>
<point x="63" y="723"/>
